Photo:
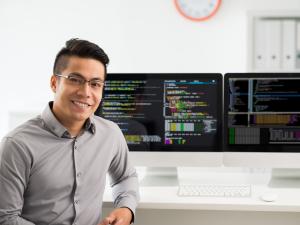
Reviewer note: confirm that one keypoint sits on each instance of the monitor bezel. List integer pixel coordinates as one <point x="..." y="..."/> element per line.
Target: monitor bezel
<point x="165" y="148"/>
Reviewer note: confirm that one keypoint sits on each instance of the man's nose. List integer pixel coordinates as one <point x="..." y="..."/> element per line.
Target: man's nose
<point x="85" y="89"/>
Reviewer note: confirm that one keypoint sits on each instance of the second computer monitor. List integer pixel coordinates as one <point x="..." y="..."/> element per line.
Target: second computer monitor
<point x="262" y="119"/>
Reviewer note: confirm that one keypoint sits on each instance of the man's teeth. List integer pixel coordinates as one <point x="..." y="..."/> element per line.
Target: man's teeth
<point x="81" y="105"/>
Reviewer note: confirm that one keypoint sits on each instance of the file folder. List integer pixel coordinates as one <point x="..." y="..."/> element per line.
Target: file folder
<point x="273" y="45"/>
<point x="260" y="44"/>
<point x="298" y="45"/>
<point x="288" y="45"/>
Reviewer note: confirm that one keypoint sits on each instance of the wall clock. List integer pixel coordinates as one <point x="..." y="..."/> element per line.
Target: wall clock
<point x="197" y="10"/>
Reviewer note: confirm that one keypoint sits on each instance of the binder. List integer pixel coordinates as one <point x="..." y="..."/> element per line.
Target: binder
<point x="298" y="45"/>
<point x="273" y="45"/>
<point x="259" y="44"/>
<point x="288" y="45"/>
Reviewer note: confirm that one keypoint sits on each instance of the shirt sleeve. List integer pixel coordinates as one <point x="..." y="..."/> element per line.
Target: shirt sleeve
<point x="14" y="176"/>
<point x="124" y="180"/>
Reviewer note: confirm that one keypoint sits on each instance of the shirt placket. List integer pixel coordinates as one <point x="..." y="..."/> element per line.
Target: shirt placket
<point x="78" y="173"/>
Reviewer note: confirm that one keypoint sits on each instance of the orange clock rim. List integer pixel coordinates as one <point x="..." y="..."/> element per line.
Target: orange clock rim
<point x="200" y="18"/>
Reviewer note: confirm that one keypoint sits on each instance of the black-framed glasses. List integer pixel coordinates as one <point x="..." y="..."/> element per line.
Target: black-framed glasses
<point x="78" y="80"/>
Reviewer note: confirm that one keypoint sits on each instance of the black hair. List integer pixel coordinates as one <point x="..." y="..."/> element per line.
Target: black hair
<point x="80" y="48"/>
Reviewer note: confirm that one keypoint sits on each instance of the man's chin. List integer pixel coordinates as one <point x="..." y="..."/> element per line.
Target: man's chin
<point x="81" y="117"/>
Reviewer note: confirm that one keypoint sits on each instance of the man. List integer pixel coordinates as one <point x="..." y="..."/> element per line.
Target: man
<point x="53" y="167"/>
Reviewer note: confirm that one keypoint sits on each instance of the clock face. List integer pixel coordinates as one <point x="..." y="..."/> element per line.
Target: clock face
<point x="197" y="10"/>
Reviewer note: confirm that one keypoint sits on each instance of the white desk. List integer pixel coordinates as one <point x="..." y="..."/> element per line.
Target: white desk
<point x="161" y="205"/>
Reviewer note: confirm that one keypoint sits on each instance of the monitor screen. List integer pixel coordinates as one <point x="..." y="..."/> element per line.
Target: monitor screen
<point x="166" y="112"/>
<point x="262" y="112"/>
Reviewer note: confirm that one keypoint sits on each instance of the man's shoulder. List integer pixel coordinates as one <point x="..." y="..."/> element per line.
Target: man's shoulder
<point x="30" y="127"/>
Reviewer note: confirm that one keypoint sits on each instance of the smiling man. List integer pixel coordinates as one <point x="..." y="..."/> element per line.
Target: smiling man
<point x="53" y="167"/>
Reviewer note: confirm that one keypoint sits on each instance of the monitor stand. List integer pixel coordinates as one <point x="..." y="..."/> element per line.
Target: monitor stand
<point x="285" y="178"/>
<point x="160" y="176"/>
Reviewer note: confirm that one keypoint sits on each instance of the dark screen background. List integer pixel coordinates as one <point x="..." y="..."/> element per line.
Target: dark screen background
<point x="165" y="112"/>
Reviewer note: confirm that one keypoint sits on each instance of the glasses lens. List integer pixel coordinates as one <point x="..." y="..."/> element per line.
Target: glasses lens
<point x="96" y="83"/>
<point x="76" y="80"/>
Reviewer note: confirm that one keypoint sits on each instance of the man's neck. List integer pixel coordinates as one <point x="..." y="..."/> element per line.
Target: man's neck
<point x="74" y="131"/>
<point x="74" y="128"/>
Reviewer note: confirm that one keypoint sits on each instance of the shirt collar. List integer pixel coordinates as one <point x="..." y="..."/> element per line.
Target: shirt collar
<point x="90" y="124"/>
<point x="57" y="128"/>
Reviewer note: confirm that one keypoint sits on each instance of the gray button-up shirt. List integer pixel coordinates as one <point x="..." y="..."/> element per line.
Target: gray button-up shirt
<point x="47" y="177"/>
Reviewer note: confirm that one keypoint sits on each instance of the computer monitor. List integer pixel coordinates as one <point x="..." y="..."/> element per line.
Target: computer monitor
<point x="168" y="120"/>
<point x="262" y="120"/>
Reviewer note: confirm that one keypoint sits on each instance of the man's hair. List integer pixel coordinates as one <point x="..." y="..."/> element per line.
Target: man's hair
<point x="80" y="48"/>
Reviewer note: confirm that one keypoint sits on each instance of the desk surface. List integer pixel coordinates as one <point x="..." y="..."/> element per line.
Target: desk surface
<point x="159" y="197"/>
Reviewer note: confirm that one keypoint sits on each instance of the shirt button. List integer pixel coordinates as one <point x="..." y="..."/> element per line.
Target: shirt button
<point x="75" y="147"/>
<point x="79" y="174"/>
<point x="76" y="202"/>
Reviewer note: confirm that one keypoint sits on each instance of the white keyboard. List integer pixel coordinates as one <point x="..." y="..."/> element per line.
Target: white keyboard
<point x="214" y="190"/>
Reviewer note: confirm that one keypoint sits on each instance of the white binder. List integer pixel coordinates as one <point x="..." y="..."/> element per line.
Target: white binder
<point x="288" y="45"/>
<point x="259" y="44"/>
<point x="273" y="45"/>
<point x="298" y="45"/>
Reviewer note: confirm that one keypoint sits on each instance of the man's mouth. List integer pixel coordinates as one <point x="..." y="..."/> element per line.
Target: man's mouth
<point x="81" y="104"/>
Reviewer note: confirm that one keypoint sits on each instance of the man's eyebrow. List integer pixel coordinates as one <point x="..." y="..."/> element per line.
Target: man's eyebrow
<point x="80" y="75"/>
<point x="76" y="74"/>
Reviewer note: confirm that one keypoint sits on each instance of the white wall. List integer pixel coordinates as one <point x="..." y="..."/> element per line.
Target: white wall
<point x="138" y="35"/>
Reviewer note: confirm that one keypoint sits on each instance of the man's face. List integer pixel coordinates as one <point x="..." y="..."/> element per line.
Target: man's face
<point x="75" y="103"/>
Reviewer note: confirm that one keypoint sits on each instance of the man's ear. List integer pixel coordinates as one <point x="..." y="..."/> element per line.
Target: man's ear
<point x="53" y="83"/>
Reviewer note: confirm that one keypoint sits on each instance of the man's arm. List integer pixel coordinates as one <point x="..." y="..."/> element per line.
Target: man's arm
<point x="14" y="175"/>
<point x="124" y="181"/>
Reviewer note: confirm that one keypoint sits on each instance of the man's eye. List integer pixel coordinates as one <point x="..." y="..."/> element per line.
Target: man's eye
<point x="75" y="80"/>
<point x="96" y="84"/>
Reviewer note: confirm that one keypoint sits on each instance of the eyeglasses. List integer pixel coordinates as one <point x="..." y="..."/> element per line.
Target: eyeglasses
<point x="78" y="80"/>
